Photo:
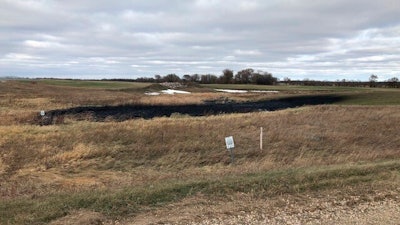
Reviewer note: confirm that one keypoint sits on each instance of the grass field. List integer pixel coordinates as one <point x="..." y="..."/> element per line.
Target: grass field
<point x="287" y="88"/>
<point x="90" y="84"/>
<point x="118" y="171"/>
<point x="352" y="95"/>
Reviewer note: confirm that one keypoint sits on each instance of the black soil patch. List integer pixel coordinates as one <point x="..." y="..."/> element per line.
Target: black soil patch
<point x="127" y="112"/>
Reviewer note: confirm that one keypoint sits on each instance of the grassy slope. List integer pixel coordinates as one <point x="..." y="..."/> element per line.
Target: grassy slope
<point x="128" y="201"/>
<point x="122" y="169"/>
<point x="377" y="97"/>
<point x="353" y="96"/>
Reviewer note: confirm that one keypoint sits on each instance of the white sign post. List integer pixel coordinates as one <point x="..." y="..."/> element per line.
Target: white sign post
<point x="230" y="145"/>
<point x="229" y="142"/>
<point x="42" y="114"/>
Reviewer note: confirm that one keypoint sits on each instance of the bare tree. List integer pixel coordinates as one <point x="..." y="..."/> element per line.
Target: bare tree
<point x="372" y="80"/>
<point x="244" y="76"/>
<point x="227" y="76"/>
<point x="393" y="82"/>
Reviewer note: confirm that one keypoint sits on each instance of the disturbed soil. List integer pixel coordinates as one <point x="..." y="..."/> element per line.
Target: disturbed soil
<point x="126" y="112"/>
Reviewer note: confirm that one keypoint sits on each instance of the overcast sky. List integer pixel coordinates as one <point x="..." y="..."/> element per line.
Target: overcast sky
<point x="314" y="39"/>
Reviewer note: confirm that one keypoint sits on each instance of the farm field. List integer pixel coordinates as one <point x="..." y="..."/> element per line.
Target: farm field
<point x="330" y="155"/>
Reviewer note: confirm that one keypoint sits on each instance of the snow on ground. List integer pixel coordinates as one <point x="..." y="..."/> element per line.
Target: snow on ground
<point x="231" y="91"/>
<point x="172" y="91"/>
<point x="152" y="93"/>
<point x="243" y="91"/>
<point x="168" y="91"/>
<point x="257" y="91"/>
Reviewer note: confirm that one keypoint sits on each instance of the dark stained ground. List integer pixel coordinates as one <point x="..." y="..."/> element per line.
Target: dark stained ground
<point x="127" y="112"/>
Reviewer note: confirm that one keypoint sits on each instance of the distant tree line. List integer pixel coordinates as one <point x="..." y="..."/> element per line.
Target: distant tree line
<point x="246" y="76"/>
<point x="250" y="76"/>
<point x="343" y="83"/>
<point x="373" y="82"/>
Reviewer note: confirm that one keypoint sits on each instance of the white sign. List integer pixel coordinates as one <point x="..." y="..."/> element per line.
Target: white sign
<point x="42" y="113"/>
<point x="229" y="142"/>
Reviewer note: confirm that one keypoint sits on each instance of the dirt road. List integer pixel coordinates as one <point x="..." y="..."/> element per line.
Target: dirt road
<point x="325" y="209"/>
<point x="385" y="213"/>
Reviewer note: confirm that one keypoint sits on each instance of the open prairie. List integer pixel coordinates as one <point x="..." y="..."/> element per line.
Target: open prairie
<point x="96" y="158"/>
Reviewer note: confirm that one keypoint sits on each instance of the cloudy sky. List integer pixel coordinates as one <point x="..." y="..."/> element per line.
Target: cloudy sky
<point x="314" y="39"/>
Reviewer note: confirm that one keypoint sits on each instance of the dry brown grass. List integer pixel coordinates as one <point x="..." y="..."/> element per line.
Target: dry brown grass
<point x="37" y="161"/>
<point x="181" y="148"/>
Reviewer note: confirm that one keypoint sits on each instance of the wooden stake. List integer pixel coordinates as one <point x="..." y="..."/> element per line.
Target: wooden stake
<point x="261" y="138"/>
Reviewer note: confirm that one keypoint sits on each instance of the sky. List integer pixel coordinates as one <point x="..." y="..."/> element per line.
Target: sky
<point x="298" y="39"/>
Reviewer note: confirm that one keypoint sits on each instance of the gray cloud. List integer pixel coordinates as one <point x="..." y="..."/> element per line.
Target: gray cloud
<point x="103" y="39"/>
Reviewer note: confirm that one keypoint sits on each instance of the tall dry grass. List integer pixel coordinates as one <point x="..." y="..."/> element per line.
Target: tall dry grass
<point x="140" y="152"/>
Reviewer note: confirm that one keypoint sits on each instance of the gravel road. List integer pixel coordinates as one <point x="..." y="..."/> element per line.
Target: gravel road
<point x="316" y="211"/>
<point x="325" y="208"/>
<point x="373" y="213"/>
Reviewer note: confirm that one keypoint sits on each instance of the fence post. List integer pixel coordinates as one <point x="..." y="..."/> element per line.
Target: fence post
<point x="261" y="138"/>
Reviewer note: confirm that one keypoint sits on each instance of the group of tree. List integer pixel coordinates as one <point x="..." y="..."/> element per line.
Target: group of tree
<point x="246" y="76"/>
<point x="372" y="82"/>
<point x="250" y="76"/>
<point x="392" y="82"/>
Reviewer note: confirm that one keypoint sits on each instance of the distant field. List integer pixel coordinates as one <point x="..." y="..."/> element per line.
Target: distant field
<point x="92" y="84"/>
<point x="373" y="97"/>
<point x="284" y="87"/>
<point x="352" y="95"/>
<point x="175" y="169"/>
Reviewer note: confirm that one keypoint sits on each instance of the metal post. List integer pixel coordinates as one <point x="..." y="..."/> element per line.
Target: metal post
<point x="232" y="156"/>
<point x="230" y="145"/>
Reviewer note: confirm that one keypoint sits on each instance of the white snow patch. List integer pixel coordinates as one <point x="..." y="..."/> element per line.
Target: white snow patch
<point x="244" y="91"/>
<point x="231" y="91"/>
<point x="265" y="91"/>
<point x="152" y="93"/>
<point x="172" y="91"/>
